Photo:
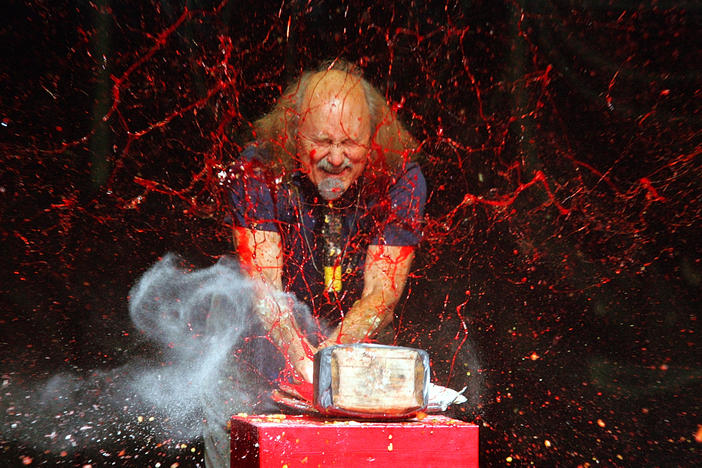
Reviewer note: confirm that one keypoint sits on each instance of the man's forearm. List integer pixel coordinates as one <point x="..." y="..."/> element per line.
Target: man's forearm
<point x="363" y="321"/>
<point x="384" y="280"/>
<point x="277" y="318"/>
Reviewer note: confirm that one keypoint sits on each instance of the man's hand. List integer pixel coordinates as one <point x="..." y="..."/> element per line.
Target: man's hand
<point x="326" y="343"/>
<point x="305" y="369"/>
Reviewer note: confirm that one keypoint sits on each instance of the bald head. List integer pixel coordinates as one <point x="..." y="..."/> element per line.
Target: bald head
<point x="334" y="84"/>
<point x="334" y="131"/>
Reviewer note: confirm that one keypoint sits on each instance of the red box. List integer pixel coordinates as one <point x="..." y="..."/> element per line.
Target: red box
<point x="279" y="440"/>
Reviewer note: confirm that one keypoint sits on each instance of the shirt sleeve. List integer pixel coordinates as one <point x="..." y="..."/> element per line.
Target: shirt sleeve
<point x="407" y="198"/>
<point x="251" y="203"/>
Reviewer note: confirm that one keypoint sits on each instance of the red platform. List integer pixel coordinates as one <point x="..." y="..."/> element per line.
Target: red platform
<point x="303" y="441"/>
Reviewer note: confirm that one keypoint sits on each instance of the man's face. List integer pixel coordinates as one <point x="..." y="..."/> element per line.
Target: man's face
<point x="333" y="133"/>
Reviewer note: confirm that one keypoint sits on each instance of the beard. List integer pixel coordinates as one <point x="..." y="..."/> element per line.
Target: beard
<point x="332" y="188"/>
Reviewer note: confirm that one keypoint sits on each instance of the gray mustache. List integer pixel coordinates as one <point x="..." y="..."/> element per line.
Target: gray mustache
<point x="326" y="166"/>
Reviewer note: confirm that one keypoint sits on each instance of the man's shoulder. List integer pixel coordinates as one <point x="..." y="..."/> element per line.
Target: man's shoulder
<point x="254" y="160"/>
<point x="256" y="152"/>
<point x="413" y="169"/>
<point x="412" y="177"/>
<point x="251" y="169"/>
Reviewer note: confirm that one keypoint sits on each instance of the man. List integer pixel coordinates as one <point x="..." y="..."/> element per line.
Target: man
<point x="328" y="204"/>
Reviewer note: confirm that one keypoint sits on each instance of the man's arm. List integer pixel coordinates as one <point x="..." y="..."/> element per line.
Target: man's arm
<point x="385" y="275"/>
<point x="261" y="256"/>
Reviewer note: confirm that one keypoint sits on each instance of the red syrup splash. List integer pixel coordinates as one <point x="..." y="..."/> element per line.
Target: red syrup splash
<point x="559" y="272"/>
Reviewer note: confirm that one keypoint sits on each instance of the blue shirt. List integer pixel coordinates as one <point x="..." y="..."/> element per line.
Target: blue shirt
<point x="387" y="212"/>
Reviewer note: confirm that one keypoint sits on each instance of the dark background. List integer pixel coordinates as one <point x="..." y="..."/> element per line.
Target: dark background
<point x="560" y="273"/>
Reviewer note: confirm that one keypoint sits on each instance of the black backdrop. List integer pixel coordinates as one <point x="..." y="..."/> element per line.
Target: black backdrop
<point x="559" y="277"/>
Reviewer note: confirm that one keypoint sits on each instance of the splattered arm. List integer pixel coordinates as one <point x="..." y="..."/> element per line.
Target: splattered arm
<point x="385" y="275"/>
<point x="261" y="256"/>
